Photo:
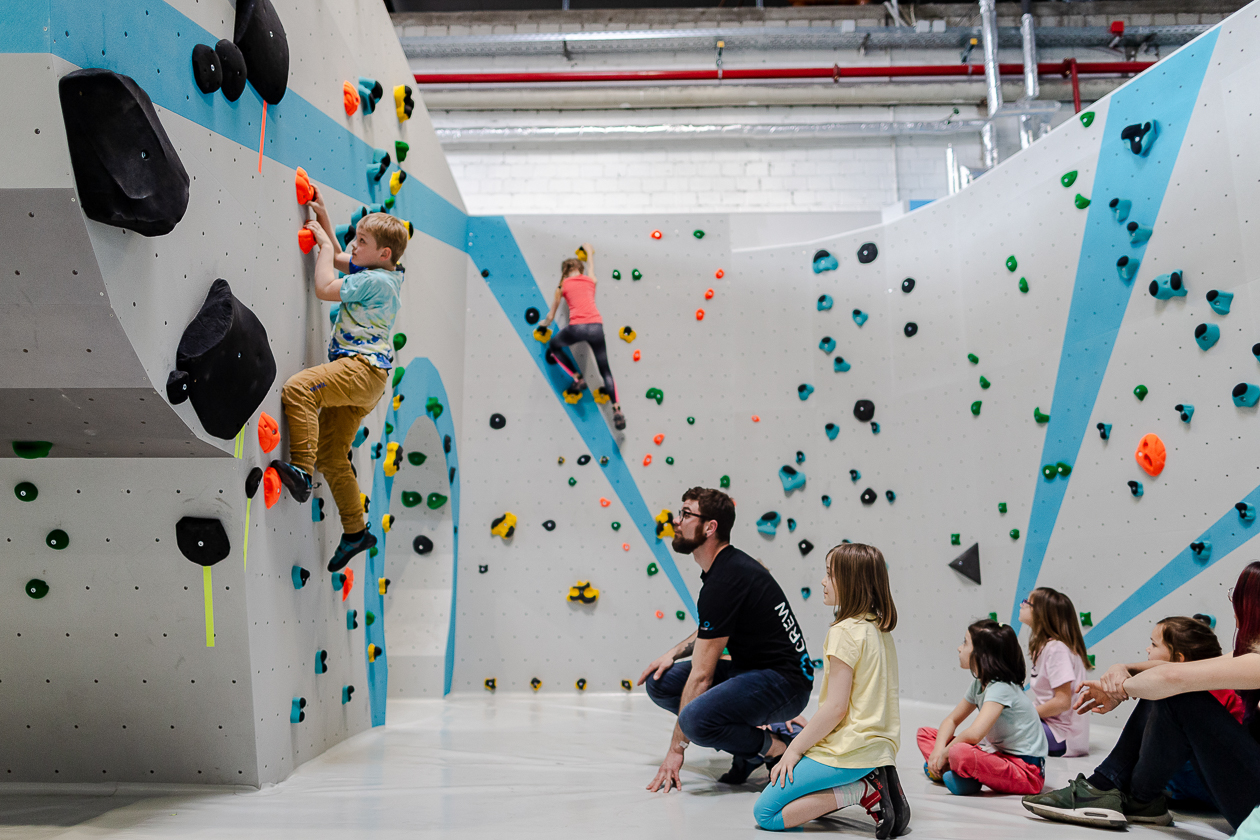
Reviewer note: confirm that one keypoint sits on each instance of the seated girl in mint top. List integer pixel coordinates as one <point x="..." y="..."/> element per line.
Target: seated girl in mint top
<point x="1059" y="662"/>
<point x="1015" y="760"/>
<point x="577" y="288"/>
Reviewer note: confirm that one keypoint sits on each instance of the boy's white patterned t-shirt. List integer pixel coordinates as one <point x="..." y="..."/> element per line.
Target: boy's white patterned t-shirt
<point x="369" y="304"/>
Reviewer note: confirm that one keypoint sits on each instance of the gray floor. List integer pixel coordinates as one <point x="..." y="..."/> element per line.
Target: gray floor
<point x="524" y="767"/>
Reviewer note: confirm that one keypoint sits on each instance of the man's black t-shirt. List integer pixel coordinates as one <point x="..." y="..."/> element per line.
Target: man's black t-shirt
<point x="740" y="599"/>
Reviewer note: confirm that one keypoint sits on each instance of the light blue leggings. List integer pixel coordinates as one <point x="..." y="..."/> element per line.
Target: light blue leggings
<point x="808" y="776"/>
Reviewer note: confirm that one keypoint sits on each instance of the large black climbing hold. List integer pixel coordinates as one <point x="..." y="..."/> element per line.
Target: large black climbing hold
<point x="910" y="329"/>
<point x="907" y="285"/>
<point x="422" y="544"/>
<point x="235" y="73"/>
<point x="252" y="481"/>
<point x="805" y="546"/>
<point x="531" y="316"/>
<point x="201" y="540"/>
<point x="207" y="71"/>
<point x="967" y="564"/>
<point x="550" y="525"/>
<point x="869" y="496"/>
<point x="223" y="364"/>
<point x="260" y="35"/>
<point x="864" y="410"/>
<point x="497" y="421"/>
<point x="867" y="253"/>
<point x="125" y="168"/>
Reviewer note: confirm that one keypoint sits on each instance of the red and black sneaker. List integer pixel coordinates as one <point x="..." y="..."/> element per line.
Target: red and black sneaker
<point x="878" y="802"/>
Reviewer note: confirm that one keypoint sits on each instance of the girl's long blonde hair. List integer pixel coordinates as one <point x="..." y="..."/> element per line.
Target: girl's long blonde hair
<point x="859" y="577"/>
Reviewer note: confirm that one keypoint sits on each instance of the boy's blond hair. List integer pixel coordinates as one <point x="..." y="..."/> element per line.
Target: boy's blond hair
<point x="388" y="232"/>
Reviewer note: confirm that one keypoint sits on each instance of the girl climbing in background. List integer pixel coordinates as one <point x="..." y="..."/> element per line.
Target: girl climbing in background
<point x="1177" y="720"/>
<point x="1059" y="662"/>
<point x="845" y="755"/>
<point x="577" y="288"/>
<point x="1007" y="720"/>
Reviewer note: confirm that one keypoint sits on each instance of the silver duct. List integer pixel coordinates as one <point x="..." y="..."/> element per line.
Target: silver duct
<point x="992" y="79"/>
<point x="1029" y="126"/>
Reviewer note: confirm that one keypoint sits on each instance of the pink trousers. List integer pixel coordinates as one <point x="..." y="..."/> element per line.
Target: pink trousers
<point x="1000" y="772"/>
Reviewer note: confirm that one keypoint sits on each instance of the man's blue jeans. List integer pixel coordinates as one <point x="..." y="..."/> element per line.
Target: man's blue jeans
<point x="726" y="716"/>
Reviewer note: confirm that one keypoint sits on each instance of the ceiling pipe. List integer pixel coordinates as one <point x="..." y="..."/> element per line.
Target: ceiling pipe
<point x="992" y="79"/>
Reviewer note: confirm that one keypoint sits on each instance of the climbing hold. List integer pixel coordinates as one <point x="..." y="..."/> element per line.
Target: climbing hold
<point x="306" y="240"/>
<point x="1081" y="201"/>
<point x="665" y="525"/>
<point x="1206" y="335"/>
<point x="1246" y="395"/>
<point x="603" y="460"/>
<point x="867" y="253"/>
<point x="1220" y="301"/>
<point x="647" y="460"/>
<point x="826" y="500"/>
<point x="604" y="502"/>
<point x="411" y="499"/>
<point x="805" y="547"/>
<point x="1167" y="286"/>
<point x="1140" y="137"/>
<point x="1151" y="455"/>
<point x="271" y="487"/>
<point x="827" y="344"/>
<point x="656" y="234"/>
<point x="302" y="186"/>
<point x="832" y="431"/>
<point x="840" y="365"/>
<point x="1011" y="263"/>
<point x="422" y="544"/>
<point x="321" y="662"/>
<point x="825" y="302"/>
<point x="296" y="715"/>
<point x="1087" y="119"/>
<point x="435" y="501"/>
<point x="890" y="496"/>
<point x="724" y="482"/>
<point x="369" y="618"/>
<point x="804" y="390"/>
<point x="31" y="449"/>
<point x="910" y="329"/>
<point x="36" y="588"/>
<point x="859" y="317"/>
<point x="1023" y="285"/>
<point x="636" y="355"/>
<point x="1049" y="471"/>
<point x="635" y="274"/>
<point x="955" y="539"/>
<point x="1067" y="179"/>
<point x="864" y="410"/>
<point x="416" y="458"/>
<point x="868" y="496"/>
<point x="984" y="383"/>
<point x="1202" y="550"/>
<point x="531" y="316"/>
<point x="791" y="523"/>
<point x="975" y="408"/>
<point x="791" y="478"/>
<point x="582" y="592"/>
<point x="855" y="476"/>
<point x="698" y="234"/>
<point x="26" y="491"/>
<point x="543" y="334"/>
<point x="1140" y="392"/>
<point x="1138" y="233"/>
<point x="1246" y="512"/>
<point x="973" y="358"/>
<point x="581" y="685"/>
<point x="349" y="98"/>
<point x="768" y="523"/>
<point x="317" y="509"/>
<point x="719" y="274"/>
<point x="874" y="428"/>
<point x="1135" y="487"/>
<point x="655" y="394"/>
<point x="403" y="103"/>
<point x="201" y="540"/>
<point x="907" y="285"/>
<point x="1001" y="507"/>
<point x="207" y="71"/>
<point x="371" y="92"/>
<point x="1063" y="469"/>
<point x="680" y="615"/>
<point x="252" y="481"/>
<point x="1127" y="268"/>
<point x="497" y="421"/>
<point x="708" y="294"/>
<point x="800" y="457"/>
<point x="347" y="692"/>
<point x="387" y="522"/>
<point x="1104" y="430"/>
<point x="1120" y="208"/>
<point x="1014" y="533"/>
<point x="393" y="459"/>
<point x="433" y="407"/>
<point x="1186" y="410"/>
<point x="504" y="526"/>
<point x="375" y="651"/>
<point x="625" y="546"/>
<point x="824" y="261"/>
<point x="699" y="314"/>
<point x="1087" y="620"/>
<point x="967" y="564"/>
<point x="1039" y="417"/>
<point x="396" y="179"/>
<point x="658" y="439"/>
<point x="382" y="585"/>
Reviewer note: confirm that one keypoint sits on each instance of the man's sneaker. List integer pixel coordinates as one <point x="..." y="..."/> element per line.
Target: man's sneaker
<point x="296" y="479"/>
<point x="878" y="802"/>
<point x="619" y="420"/>
<point x="347" y="548"/>
<point x="1154" y="812"/>
<point x="1081" y="803"/>
<point x="901" y="805"/>
<point x="741" y="769"/>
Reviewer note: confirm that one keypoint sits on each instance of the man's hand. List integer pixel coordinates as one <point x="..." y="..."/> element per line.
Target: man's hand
<point x="1094" y="698"/>
<point x="667" y="777"/>
<point x="660" y="666"/>
<point x="321" y="237"/>
<point x="1112" y="680"/>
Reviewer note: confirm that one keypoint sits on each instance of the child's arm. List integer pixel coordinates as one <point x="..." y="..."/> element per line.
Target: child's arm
<point x="590" y="261"/>
<point x="341" y="260"/>
<point x="945" y="734"/>
<point x="830" y="713"/>
<point x="1058" y="704"/>
<point x="984" y="721"/>
<point x="327" y="286"/>
<point x="555" y="304"/>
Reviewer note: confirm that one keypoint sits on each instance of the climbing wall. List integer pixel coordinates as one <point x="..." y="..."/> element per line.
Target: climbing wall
<point x="123" y="660"/>
<point x="991" y="332"/>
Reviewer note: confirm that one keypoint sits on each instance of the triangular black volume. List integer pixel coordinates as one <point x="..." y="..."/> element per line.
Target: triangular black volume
<point x="968" y="563"/>
<point x="202" y="541"/>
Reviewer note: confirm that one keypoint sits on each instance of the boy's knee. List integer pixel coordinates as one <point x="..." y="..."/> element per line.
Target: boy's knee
<point x="293" y="389"/>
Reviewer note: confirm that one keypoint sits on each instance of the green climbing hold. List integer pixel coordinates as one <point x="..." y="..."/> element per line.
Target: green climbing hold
<point x="616" y="526"/>
<point x="1087" y="119"/>
<point x="680" y="615"/>
<point x="1140" y="392"/>
<point x="1049" y="471"/>
<point x="984" y="383"/>
<point x="411" y="498"/>
<point x="1068" y="179"/>
<point x="57" y="539"/>
<point x="691" y="421"/>
<point x="652" y="569"/>
<point x="669" y="459"/>
<point x="698" y="234"/>
<point x="398" y="375"/>
<point x="36" y="588"/>
<point x="1039" y="417"/>
<point x="416" y="458"/>
<point x="992" y="616"/>
<point x="655" y="394"/>
<point x="1063" y="469"/>
<point x="1081" y="201"/>
<point x="435" y="501"/>
<point x="400" y="339"/>
<point x="1001" y="507"/>
<point x="616" y="275"/>
<point x="636" y="274"/>
<point x="369" y="618"/>
<point x="973" y="358"/>
<point x="975" y="408"/>
<point x="31" y="449"/>
<point x="1090" y="657"/>
<point x="389" y="429"/>
<point x="373" y="551"/>
<point x="1011" y="263"/>
<point x="1014" y="533"/>
<point x="26" y="491"/>
<point x="955" y="539"/>
<point x="724" y="481"/>
<point x="572" y="481"/>
<point x="1087" y="619"/>
<point x="389" y="202"/>
<point x="1023" y="285"/>
<point x="433" y="407"/>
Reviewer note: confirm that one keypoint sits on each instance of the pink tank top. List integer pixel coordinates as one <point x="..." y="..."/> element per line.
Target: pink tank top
<point x="579" y="293"/>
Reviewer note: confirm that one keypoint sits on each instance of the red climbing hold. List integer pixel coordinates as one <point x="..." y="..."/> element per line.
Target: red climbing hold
<point x="271" y="487"/>
<point x="306" y="240"/>
<point x="699" y="314"/>
<point x="719" y="274"/>
<point x="658" y="440"/>
<point x="656" y="234"/>
<point x="302" y="182"/>
<point x="604" y="502"/>
<point x="636" y="355"/>
<point x="625" y="546"/>
<point x="647" y="459"/>
<point x="348" y="585"/>
<point x="708" y="294"/>
<point x="660" y="614"/>
<point x="756" y="419"/>
<point x="268" y="432"/>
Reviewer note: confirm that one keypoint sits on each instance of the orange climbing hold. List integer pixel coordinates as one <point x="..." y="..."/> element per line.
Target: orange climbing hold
<point x="302" y="182"/>
<point x="756" y="419"/>
<point x="625" y="546"/>
<point x="719" y="274"/>
<point x="1151" y="455"/>
<point x="348" y="585"/>
<point x="660" y="614"/>
<point x="708" y="294"/>
<point x="271" y="486"/>
<point x="306" y="240"/>
<point x="604" y="502"/>
<point x="268" y="432"/>
<point x="636" y="355"/>
<point x="656" y="234"/>
<point x="658" y="440"/>
<point x="647" y="459"/>
<point x="350" y="98"/>
<point x="699" y="314"/>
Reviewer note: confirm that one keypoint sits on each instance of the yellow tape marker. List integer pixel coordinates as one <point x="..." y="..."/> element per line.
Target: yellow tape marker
<point x="245" y="550"/>
<point x="208" y="586"/>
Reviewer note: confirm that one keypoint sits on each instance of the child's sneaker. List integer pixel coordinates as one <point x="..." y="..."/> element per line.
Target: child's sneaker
<point x="960" y="785"/>
<point x="619" y="420"/>
<point x="296" y="479"/>
<point x="347" y="548"/>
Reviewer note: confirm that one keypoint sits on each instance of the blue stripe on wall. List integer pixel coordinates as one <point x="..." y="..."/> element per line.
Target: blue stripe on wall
<point x="1167" y="93"/>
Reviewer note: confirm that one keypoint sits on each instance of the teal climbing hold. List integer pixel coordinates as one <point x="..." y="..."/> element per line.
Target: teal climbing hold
<point x="1246" y="395"/>
<point x="31" y="449"/>
<point x="1138" y="233"/>
<point x="1206" y="335"/>
<point x="299" y="576"/>
<point x="36" y="588"/>
<point x="832" y="430"/>
<point x="26" y="491"/>
<point x="804" y="390"/>
<point x="317" y="509"/>
<point x="1246" y="512"/>
<point x="859" y="317"/>
<point x="1012" y="263"/>
<point x="768" y="523"/>
<point x="792" y="478"/>
<point x="1168" y="286"/>
<point x="840" y="365"/>
<point x="1186" y="411"/>
<point x="1140" y="137"/>
<point x="824" y="303"/>
<point x="1120" y="208"/>
<point x="655" y="394"/>
<point x="1135" y="487"/>
<point x="352" y="619"/>
<point x="826" y="500"/>
<point x="347" y="691"/>
<point x="360" y="436"/>
<point x="321" y="661"/>
<point x="874" y="428"/>
<point x="57" y="539"/>
<point x="855" y="475"/>
<point x="1039" y="417"/>
<point x="1127" y="268"/>
<point x="824" y="261"/>
<point x="1104" y="431"/>
<point x="435" y="501"/>
<point x="296" y="713"/>
<point x="1220" y="301"/>
<point x="1202" y="550"/>
<point x="827" y="344"/>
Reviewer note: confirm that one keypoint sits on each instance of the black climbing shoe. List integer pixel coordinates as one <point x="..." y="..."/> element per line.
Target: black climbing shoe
<point x="296" y="479"/>
<point x="878" y="802"/>
<point x="619" y="420"/>
<point x="901" y="805"/>
<point x="741" y="769"/>
<point x="347" y="548"/>
<point x="576" y="386"/>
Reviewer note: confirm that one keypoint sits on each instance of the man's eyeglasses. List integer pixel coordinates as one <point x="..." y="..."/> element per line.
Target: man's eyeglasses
<point x="684" y="513"/>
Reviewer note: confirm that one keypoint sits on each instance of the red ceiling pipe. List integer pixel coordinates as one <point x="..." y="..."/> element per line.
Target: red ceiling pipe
<point x="1073" y="70"/>
<point x="1059" y="68"/>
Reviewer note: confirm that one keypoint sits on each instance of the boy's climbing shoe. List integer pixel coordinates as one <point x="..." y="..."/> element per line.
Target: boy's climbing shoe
<point x="296" y="479"/>
<point x="619" y="420"/>
<point x="960" y="785"/>
<point x="348" y="547"/>
<point x="901" y="805"/>
<point x="1154" y="812"/>
<point x="1081" y="803"/>
<point x="878" y="802"/>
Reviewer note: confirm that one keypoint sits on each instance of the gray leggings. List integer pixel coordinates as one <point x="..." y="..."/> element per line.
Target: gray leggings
<point x="592" y="334"/>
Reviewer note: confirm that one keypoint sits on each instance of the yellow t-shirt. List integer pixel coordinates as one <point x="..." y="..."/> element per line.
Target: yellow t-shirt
<point x="870" y="733"/>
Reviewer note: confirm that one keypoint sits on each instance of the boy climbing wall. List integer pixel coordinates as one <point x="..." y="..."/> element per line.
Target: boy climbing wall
<point x="325" y="404"/>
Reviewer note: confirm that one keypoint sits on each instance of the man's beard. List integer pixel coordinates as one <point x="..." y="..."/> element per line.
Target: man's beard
<point x="682" y="545"/>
